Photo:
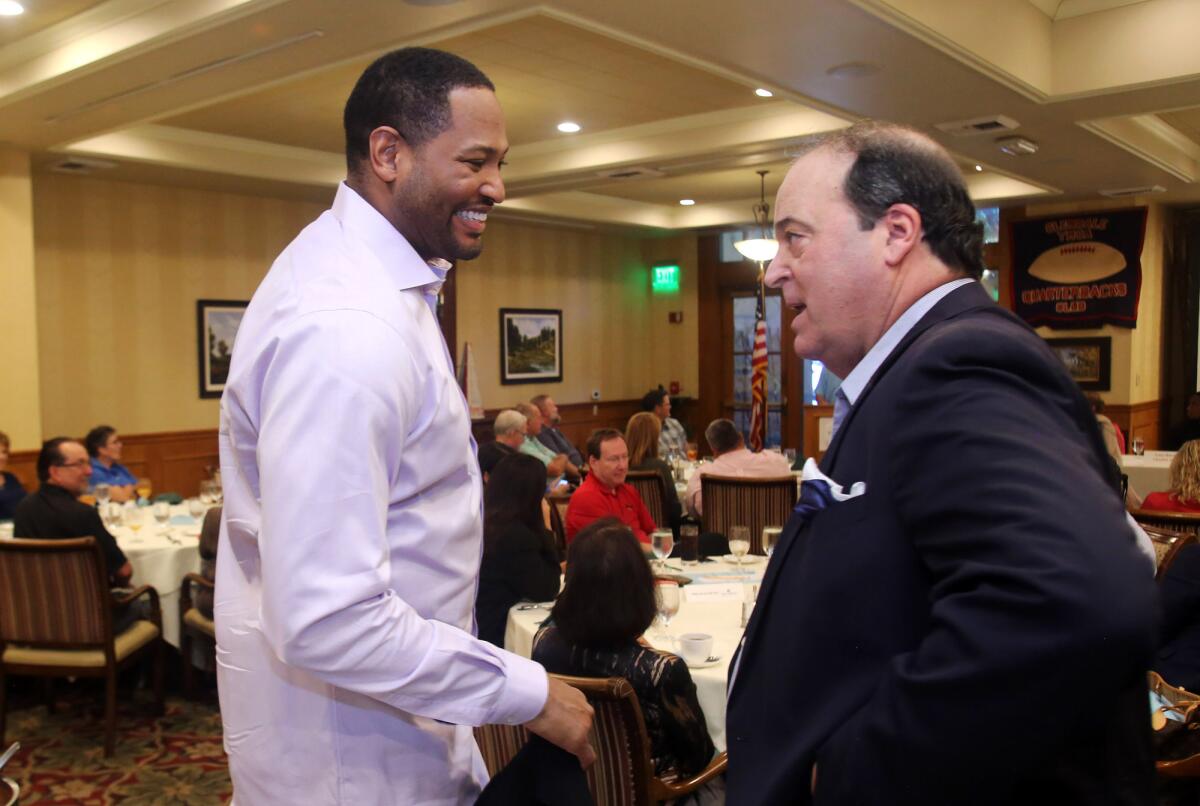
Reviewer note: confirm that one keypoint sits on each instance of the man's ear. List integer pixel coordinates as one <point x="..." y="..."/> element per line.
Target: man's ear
<point x="903" y="225"/>
<point x="389" y="155"/>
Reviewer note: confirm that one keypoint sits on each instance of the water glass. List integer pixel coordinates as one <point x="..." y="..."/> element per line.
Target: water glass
<point x="103" y="493"/>
<point x="739" y="542"/>
<point x="196" y="508"/>
<point x="206" y="493"/>
<point x="162" y="514"/>
<point x="1138" y="446"/>
<point x="770" y="536"/>
<point x="661" y="543"/>
<point x="790" y="455"/>
<point x="667" y="594"/>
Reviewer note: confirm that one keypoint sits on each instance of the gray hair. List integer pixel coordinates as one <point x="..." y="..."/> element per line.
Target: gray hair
<point x="507" y="422"/>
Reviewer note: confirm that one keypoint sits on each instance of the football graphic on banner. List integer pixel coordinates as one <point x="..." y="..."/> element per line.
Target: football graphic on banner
<point x="1082" y="262"/>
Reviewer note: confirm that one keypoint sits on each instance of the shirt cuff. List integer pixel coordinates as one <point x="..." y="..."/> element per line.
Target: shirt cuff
<point x="526" y="688"/>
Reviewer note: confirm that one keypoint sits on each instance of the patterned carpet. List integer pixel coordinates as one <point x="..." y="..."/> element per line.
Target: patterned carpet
<point x="161" y="761"/>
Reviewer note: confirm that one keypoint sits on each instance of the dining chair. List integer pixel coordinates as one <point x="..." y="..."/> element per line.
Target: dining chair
<point x="1172" y="521"/>
<point x="56" y="621"/>
<point x="1167" y="544"/>
<point x="558" y="519"/>
<point x="649" y="485"/>
<point x="623" y="774"/>
<point x="752" y="502"/>
<point x="194" y="625"/>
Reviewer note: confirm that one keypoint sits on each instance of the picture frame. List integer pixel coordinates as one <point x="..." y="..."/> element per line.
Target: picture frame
<point x="531" y="345"/>
<point x="217" y="322"/>
<point x="1088" y="360"/>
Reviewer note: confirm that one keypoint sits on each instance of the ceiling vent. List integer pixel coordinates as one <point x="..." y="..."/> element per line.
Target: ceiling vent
<point x="977" y="126"/>
<point x="81" y="165"/>
<point x="631" y="172"/>
<point x="1122" y="193"/>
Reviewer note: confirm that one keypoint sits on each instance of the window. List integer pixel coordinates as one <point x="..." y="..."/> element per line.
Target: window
<point x="743" y="347"/>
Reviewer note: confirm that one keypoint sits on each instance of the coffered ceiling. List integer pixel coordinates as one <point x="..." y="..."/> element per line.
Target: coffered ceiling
<point x="247" y="94"/>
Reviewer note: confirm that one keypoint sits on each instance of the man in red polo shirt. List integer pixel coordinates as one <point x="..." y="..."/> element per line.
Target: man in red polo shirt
<point x="604" y="492"/>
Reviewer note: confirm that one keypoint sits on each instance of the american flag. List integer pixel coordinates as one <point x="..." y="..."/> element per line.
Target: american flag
<point x="758" y="376"/>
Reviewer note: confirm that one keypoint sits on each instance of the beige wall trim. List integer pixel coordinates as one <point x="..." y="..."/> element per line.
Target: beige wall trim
<point x="1148" y="137"/>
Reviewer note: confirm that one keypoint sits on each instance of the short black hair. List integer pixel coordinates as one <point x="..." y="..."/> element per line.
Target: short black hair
<point x="97" y="438"/>
<point x="722" y="436"/>
<point x="50" y="456"/>
<point x="599" y="437"/>
<point x="608" y="598"/>
<point x="653" y="399"/>
<point x="513" y="495"/>
<point x="409" y="90"/>
<point x="895" y="164"/>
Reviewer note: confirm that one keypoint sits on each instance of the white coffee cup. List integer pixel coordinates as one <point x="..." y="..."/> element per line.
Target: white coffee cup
<point x="695" y="647"/>
<point x="6" y="531"/>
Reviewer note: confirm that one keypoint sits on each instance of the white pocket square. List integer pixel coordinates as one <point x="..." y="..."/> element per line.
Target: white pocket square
<point x="812" y="473"/>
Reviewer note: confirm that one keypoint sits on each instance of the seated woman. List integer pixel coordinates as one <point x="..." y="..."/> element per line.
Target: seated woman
<point x="1184" y="495"/>
<point x="641" y="437"/>
<point x="1178" y="655"/>
<point x="11" y="491"/>
<point x="520" y="560"/>
<point x="594" y="627"/>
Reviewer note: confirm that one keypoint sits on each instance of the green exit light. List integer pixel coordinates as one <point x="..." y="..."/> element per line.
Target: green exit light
<point x="665" y="278"/>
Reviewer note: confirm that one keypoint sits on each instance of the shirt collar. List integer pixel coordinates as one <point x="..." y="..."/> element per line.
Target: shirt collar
<point x="854" y="383"/>
<point x="395" y="253"/>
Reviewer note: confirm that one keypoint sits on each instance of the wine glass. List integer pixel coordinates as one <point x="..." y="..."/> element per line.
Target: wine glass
<point x="206" y="492"/>
<point x="218" y="492"/>
<point x="770" y="536"/>
<point x="661" y="543"/>
<point x="162" y="514"/>
<point x="103" y="493"/>
<point x="668" y="603"/>
<point x="195" y="508"/>
<point x="133" y="519"/>
<point x="739" y="542"/>
<point x="144" y="488"/>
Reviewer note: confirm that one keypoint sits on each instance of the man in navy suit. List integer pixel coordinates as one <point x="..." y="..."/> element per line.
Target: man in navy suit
<point x="972" y="624"/>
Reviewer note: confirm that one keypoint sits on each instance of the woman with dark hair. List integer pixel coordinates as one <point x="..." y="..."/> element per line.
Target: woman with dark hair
<point x="641" y="437"/>
<point x="11" y="491"/>
<point x="594" y="627"/>
<point x="520" y="561"/>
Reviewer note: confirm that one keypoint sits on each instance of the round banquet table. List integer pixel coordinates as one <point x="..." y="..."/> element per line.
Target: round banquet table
<point x="1149" y="473"/>
<point x="161" y="559"/>
<point x="711" y="603"/>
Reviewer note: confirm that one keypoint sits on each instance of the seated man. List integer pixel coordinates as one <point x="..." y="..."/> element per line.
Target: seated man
<point x="54" y="513"/>
<point x="556" y="464"/>
<point x="604" y="492"/>
<point x="509" y="433"/>
<point x="732" y="458"/>
<point x="104" y="446"/>
<point x="550" y="436"/>
<point x="672" y="439"/>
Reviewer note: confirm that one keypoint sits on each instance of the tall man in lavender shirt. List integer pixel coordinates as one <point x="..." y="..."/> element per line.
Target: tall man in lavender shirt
<point x="349" y="553"/>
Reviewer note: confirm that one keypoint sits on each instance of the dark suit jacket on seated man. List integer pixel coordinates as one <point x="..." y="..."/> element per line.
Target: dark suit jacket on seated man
<point x="54" y="512"/>
<point x="974" y="626"/>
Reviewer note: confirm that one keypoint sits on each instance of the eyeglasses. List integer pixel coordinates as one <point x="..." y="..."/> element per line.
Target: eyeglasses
<point x="78" y="463"/>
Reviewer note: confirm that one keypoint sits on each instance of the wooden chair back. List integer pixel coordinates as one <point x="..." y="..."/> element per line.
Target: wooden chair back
<point x="558" y="521"/>
<point x="649" y="485"/>
<point x="1171" y="521"/>
<point x="1167" y="545"/>
<point x="499" y="744"/>
<point x="755" y="503"/>
<point x="54" y="594"/>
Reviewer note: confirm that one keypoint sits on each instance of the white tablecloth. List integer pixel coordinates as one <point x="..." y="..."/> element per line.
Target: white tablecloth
<point x="711" y="604"/>
<point x="162" y="560"/>
<point x="1149" y="473"/>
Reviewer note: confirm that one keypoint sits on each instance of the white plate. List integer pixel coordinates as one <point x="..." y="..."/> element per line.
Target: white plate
<point x="712" y="661"/>
<point x="749" y="559"/>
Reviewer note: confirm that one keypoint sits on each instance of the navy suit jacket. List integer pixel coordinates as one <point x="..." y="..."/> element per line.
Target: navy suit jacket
<point x="975" y="628"/>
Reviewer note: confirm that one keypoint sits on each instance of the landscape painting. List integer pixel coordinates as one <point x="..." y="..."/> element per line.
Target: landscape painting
<point x="530" y="345"/>
<point x="217" y="323"/>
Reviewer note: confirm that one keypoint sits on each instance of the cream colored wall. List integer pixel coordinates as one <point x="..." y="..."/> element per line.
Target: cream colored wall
<point x="20" y="414"/>
<point x="119" y="269"/>
<point x="1137" y="352"/>
<point x="616" y="337"/>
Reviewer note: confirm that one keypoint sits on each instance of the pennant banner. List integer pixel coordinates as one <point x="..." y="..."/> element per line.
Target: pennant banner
<point x="1079" y="271"/>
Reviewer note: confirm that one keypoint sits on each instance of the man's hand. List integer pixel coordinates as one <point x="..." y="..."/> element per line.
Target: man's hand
<point x="565" y="720"/>
<point x="556" y="466"/>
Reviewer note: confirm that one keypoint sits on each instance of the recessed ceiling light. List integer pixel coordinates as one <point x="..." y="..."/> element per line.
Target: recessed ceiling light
<point x="687" y="202"/>
<point x="11" y="8"/>
<point x="979" y="167"/>
<point x="567" y="127"/>
<point x="853" y="70"/>
<point x="761" y="93"/>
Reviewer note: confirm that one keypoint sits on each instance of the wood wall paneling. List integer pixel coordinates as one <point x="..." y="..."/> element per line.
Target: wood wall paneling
<point x="1138" y="420"/>
<point x="579" y="420"/>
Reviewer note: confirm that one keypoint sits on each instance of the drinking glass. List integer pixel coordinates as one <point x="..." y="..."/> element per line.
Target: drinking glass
<point x="770" y="536"/>
<point x="162" y="514"/>
<point x="218" y="492"/>
<point x="790" y="455"/>
<point x="668" y="603"/>
<point x="692" y="451"/>
<point x="195" y="507"/>
<point x="1138" y="446"/>
<point x="102" y="492"/>
<point x="116" y="514"/>
<point x="661" y="543"/>
<point x="133" y="519"/>
<point x="739" y="542"/>
<point x="144" y="488"/>
<point x="206" y="492"/>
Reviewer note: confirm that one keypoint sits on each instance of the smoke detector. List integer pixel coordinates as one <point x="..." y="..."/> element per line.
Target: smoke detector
<point x="977" y="126"/>
<point x="1017" y="146"/>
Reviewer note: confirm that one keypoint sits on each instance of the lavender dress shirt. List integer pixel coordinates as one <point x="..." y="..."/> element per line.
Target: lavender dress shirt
<point x="352" y="535"/>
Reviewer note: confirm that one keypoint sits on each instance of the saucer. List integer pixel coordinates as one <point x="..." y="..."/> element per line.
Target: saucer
<point x="712" y="660"/>
<point x="749" y="559"/>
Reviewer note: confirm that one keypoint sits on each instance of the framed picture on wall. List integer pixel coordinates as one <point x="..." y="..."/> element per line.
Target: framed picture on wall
<point x="217" y="323"/>
<point x="530" y="345"/>
<point x="1088" y="360"/>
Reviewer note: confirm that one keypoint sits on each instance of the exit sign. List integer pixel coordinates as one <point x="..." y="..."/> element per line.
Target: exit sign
<point x="665" y="278"/>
